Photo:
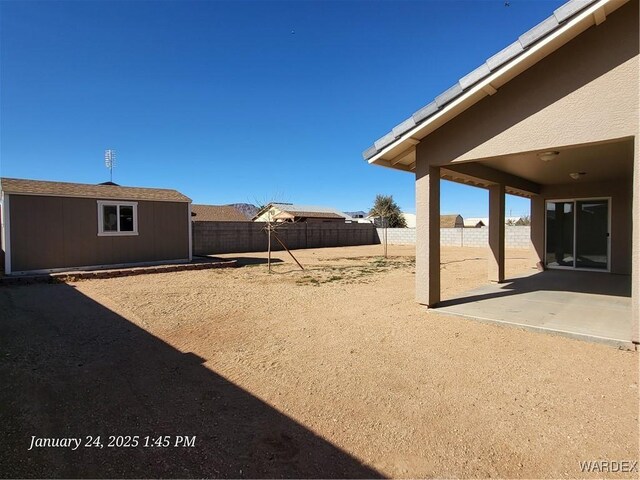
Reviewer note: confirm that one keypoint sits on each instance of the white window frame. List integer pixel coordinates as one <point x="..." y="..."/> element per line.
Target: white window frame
<point x="117" y="204"/>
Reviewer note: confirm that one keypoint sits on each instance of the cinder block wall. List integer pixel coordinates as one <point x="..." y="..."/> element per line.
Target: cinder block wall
<point x="515" y="237"/>
<point x="236" y="237"/>
<point x="398" y="236"/>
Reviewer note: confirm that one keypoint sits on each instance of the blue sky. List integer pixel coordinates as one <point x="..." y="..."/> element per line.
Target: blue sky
<point x="238" y="101"/>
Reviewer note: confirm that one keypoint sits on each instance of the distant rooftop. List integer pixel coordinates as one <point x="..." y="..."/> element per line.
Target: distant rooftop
<point x="217" y="213"/>
<point x="305" y="210"/>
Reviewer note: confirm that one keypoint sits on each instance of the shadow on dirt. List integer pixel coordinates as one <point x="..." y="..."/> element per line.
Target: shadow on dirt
<point x="71" y="367"/>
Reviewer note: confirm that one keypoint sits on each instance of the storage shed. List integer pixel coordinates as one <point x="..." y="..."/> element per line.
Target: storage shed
<point x="56" y="226"/>
<point x="451" y="221"/>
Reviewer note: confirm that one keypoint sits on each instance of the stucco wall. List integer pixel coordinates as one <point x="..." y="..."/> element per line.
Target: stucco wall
<point x="587" y="91"/>
<point x="62" y="232"/>
<point x="583" y="93"/>
<point x="621" y="216"/>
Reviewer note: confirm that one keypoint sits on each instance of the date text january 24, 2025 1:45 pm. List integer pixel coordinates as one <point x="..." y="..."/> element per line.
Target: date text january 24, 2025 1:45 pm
<point x="114" y="441"/>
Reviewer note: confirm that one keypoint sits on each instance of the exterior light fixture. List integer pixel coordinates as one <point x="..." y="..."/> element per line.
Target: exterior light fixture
<point x="577" y="175"/>
<point x="548" y="156"/>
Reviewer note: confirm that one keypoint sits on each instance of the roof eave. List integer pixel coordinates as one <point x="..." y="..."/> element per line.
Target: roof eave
<point x="404" y="146"/>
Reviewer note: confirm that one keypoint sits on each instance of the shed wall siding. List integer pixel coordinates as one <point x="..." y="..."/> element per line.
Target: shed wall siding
<point x="62" y="232"/>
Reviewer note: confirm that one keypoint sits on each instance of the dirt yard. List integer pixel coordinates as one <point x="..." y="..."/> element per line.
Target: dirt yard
<point x="330" y="372"/>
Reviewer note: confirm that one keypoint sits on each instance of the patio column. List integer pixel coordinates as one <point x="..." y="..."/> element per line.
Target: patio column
<point x="496" y="232"/>
<point x="635" y="246"/>
<point x="428" y="235"/>
<point x="538" y="219"/>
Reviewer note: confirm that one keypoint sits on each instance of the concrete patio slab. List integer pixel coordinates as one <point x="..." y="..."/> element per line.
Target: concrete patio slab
<point x="590" y="306"/>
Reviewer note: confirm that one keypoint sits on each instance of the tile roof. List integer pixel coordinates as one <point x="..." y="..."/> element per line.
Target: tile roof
<point x="63" y="189"/>
<point x="217" y="213"/>
<point x="533" y="35"/>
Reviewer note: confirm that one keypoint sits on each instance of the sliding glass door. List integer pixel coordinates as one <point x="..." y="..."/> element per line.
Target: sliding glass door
<point x="560" y="222"/>
<point x="578" y="234"/>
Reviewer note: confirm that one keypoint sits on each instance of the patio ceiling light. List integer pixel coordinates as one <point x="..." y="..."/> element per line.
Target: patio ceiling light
<point x="577" y="175"/>
<point x="548" y="156"/>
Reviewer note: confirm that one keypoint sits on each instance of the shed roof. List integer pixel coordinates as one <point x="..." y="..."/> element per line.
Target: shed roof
<point x="217" y="213"/>
<point x="474" y="222"/>
<point x="449" y="221"/>
<point x="21" y="186"/>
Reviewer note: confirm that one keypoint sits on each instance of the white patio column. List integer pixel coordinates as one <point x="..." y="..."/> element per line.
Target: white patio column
<point x="496" y="233"/>
<point x="635" y="246"/>
<point x="428" y="235"/>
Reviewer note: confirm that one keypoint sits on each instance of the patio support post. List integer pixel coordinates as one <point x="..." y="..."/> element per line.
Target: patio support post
<point x="496" y="232"/>
<point x="428" y="235"/>
<point x="538" y="218"/>
<point x="635" y="246"/>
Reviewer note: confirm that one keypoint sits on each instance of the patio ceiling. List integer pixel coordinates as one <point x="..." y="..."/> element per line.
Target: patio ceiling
<point x="600" y="162"/>
<point x="524" y="173"/>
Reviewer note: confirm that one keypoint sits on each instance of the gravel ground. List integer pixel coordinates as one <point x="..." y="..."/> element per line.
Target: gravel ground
<point x="330" y="372"/>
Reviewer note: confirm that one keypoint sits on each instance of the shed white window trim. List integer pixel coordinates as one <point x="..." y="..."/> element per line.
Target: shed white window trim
<point x="117" y="218"/>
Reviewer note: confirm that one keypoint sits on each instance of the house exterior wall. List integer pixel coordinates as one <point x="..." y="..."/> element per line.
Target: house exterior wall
<point x="620" y="193"/>
<point x="635" y="256"/>
<point x="585" y="92"/>
<point x="62" y="232"/>
<point x="268" y="215"/>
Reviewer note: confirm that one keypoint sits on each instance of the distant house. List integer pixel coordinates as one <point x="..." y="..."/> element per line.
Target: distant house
<point x="475" y="222"/>
<point x="374" y="219"/>
<point x="410" y="218"/>
<point x="523" y="221"/>
<point x="359" y="217"/>
<point x="217" y="213"/>
<point x="288" y="212"/>
<point x="451" y="221"/>
<point x="356" y="215"/>
<point x="55" y="226"/>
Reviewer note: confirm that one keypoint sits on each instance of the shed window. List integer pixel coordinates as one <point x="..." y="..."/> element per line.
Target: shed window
<point x="117" y="218"/>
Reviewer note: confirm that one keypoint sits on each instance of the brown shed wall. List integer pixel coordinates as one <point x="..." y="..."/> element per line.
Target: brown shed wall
<point x="62" y="232"/>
